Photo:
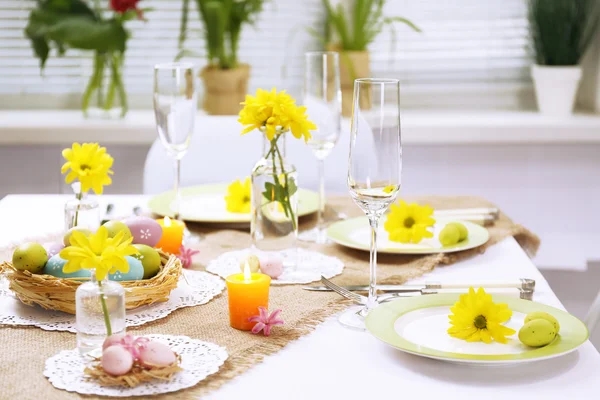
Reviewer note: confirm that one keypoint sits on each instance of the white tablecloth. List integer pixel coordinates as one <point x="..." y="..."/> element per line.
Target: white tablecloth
<point x="337" y="363"/>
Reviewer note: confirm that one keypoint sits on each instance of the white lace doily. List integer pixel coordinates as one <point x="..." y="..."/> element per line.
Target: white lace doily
<point x="198" y="360"/>
<point x="299" y="265"/>
<point x="197" y="288"/>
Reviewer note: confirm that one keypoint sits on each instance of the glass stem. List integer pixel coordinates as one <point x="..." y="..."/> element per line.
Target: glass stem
<point x="372" y="298"/>
<point x="177" y="189"/>
<point x="320" y="214"/>
<point x="105" y="310"/>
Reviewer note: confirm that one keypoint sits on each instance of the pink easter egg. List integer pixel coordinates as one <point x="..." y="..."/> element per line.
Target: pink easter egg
<point x="144" y="230"/>
<point x="116" y="361"/>
<point x="271" y="265"/>
<point x="112" y="340"/>
<point x="156" y="354"/>
<point x="53" y="248"/>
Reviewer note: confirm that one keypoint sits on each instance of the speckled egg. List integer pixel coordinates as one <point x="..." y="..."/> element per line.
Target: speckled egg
<point x="136" y="271"/>
<point x="156" y="354"/>
<point x="53" y="248"/>
<point x="55" y="265"/>
<point x="144" y="230"/>
<point x="271" y="265"/>
<point x="116" y="361"/>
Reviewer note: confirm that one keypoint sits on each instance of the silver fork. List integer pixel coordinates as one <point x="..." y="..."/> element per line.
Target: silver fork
<point x="355" y="297"/>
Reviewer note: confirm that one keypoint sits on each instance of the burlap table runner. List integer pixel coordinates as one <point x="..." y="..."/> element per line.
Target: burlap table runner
<point x="23" y="351"/>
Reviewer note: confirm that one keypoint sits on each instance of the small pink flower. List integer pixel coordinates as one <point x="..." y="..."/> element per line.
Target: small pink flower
<point x="264" y="321"/>
<point x="185" y="255"/>
<point x="133" y="345"/>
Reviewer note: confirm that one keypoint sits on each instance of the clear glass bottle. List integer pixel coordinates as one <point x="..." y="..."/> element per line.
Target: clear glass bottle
<point x="99" y="312"/>
<point x="83" y="212"/>
<point x="274" y="211"/>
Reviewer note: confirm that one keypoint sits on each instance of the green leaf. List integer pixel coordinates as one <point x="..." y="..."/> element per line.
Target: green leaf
<point x="389" y="20"/>
<point x="291" y="186"/>
<point x="41" y="49"/>
<point x="81" y="33"/>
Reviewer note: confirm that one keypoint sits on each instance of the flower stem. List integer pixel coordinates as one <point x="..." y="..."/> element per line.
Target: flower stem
<point x="105" y="311"/>
<point x="285" y="202"/>
<point x="79" y="197"/>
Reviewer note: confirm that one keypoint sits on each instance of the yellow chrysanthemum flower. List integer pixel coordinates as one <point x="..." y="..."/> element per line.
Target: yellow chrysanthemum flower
<point x="273" y="111"/>
<point x="475" y="317"/>
<point x="408" y="223"/>
<point x="90" y="164"/>
<point x="106" y="255"/>
<point x="237" y="199"/>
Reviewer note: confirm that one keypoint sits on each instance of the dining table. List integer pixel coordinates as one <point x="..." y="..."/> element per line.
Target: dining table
<point x="333" y="362"/>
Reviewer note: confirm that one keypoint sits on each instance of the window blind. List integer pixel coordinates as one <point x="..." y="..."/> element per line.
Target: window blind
<point x="465" y="44"/>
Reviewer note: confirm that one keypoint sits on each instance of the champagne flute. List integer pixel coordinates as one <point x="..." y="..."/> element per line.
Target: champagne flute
<point x="323" y="100"/>
<point x="175" y="104"/>
<point x="374" y="166"/>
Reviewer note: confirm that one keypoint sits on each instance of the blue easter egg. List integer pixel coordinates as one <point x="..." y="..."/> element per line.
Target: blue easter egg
<point x="55" y="265"/>
<point x="136" y="271"/>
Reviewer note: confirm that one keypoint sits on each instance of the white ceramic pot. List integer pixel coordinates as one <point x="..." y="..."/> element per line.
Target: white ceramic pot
<point x="556" y="88"/>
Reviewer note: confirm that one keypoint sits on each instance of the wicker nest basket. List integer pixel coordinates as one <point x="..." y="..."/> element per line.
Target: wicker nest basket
<point x="54" y="293"/>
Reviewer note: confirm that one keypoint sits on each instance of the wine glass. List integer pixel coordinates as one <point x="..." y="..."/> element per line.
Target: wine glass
<point x="175" y="104"/>
<point x="323" y="100"/>
<point x="374" y="166"/>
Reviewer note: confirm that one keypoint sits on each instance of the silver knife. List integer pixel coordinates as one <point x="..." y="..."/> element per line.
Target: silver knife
<point x="523" y="283"/>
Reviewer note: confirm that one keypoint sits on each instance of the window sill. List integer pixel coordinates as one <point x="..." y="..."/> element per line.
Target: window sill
<point x="419" y="127"/>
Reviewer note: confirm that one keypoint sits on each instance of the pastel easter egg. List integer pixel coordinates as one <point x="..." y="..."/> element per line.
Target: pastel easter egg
<point x="156" y="354"/>
<point x="150" y="260"/>
<point x="135" y="273"/>
<point x="116" y="361"/>
<point x="537" y="333"/>
<point x="30" y="257"/>
<point x="53" y="248"/>
<point x="112" y="340"/>
<point x="55" y="265"/>
<point x="144" y="230"/>
<point x="253" y="263"/>
<point x="114" y="227"/>
<point x="271" y="265"/>
<point x="67" y="237"/>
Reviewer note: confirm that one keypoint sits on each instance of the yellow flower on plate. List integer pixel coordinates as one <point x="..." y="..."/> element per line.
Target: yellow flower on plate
<point x="98" y="251"/>
<point x="408" y="223"/>
<point x="475" y="317"/>
<point x="237" y="199"/>
<point x="90" y="164"/>
<point x="271" y="112"/>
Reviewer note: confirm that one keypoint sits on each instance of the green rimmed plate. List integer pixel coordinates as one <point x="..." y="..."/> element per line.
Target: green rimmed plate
<point x="206" y="203"/>
<point x="356" y="233"/>
<point x="418" y="325"/>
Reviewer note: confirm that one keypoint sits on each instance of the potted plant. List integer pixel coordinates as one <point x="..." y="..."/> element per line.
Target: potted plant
<point x="65" y="24"/>
<point x="225" y="78"/>
<point x="350" y="30"/>
<point x="561" y="31"/>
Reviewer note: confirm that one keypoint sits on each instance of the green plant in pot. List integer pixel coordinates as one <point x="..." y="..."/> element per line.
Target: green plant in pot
<point x="561" y="32"/>
<point x="74" y="24"/>
<point x="225" y="78"/>
<point x="350" y="29"/>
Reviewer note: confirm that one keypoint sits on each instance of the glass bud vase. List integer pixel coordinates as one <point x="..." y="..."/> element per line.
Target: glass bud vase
<point x="274" y="199"/>
<point x="83" y="212"/>
<point x="99" y="312"/>
<point x="105" y="96"/>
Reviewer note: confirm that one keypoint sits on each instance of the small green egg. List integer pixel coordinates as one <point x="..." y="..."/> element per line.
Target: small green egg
<point x="449" y="236"/>
<point x="537" y="333"/>
<point x="67" y="237"/>
<point x="113" y="227"/>
<point x="543" y="315"/>
<point x="30" y="257"/>
<point x="150" y="260"/>
<point x="462" y="230"/>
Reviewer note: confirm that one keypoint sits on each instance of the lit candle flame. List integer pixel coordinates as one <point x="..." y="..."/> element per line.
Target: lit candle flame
<point x="247" y="273"/>
<point x="167" y="222"/>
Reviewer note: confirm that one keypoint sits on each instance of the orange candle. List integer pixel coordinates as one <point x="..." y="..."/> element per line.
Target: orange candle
<point x="246" y="293"/>
<point x="172" y="235"/>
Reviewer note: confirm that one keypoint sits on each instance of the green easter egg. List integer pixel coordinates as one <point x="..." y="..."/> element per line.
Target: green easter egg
<point x="135" y="273"/>
<point x="55" y="265"/>
<point x="449" y="236"/>
<point x="30" y="257"/>
<point x="150" y="260"/>
<point x="114" y="227"/>
<point x="537" y="333"/>
<point x="543" y="315"/>
<point x="67" y="237"/>
<point x="462" y="230"/>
